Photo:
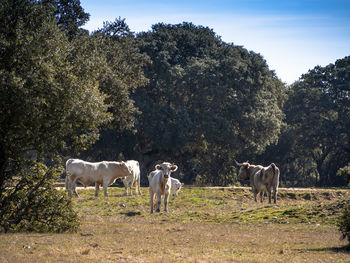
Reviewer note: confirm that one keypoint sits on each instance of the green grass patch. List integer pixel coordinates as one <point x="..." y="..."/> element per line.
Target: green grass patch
<point x="216" y="205"/>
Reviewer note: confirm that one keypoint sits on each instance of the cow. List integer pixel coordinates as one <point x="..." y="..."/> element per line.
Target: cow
<point x="160" y="184"/>
<point x="261" y="178"/>
<point x="100" y="173"/>
<point x="133" y="179"/>
<point x="176" y="186"/>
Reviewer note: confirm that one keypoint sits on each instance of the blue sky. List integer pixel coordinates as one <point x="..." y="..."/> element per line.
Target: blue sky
<point x="292" y="35"/>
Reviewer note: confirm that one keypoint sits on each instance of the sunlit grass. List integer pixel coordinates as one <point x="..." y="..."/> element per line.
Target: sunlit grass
<point x="202" y="225"/>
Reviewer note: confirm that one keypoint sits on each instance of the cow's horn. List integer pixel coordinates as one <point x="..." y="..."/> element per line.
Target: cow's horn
<point x="238" y="164"/>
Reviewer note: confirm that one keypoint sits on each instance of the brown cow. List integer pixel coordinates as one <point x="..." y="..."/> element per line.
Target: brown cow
<point x="261" y="178"/>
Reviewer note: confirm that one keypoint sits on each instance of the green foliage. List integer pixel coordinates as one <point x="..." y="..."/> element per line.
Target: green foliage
<point x="345" y="171"/>
<point x="123" y="72"/>
<point x="344" y="221"/>
<point x="207" y="101"/>
<point x="316" y="143"/>
<point x="70" y="15"/>
<point x="50" y="104"/>
<point x="31" y="202"/>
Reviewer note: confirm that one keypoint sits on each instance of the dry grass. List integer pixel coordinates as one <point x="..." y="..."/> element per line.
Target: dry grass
<point x="203" y="225"/>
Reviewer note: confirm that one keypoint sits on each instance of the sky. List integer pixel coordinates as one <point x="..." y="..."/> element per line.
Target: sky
<point x="293" y="36"/>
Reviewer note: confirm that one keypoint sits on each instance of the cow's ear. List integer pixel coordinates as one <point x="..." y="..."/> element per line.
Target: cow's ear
<point x="173" y="167"/>
<point x="158" y="167"/>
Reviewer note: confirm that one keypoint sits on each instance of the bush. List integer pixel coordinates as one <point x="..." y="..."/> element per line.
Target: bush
<point x="344" y="221"/>
<point x="30" y="202"/>
<point x="345" y="172"/>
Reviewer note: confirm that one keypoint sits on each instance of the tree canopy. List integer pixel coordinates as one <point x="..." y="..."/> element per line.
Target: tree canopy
<point x="317" y="117"/>
<point x="206" y="102"/>
<point x="54" y="101"/>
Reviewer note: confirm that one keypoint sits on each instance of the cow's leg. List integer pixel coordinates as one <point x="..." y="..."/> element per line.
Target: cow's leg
<point x="69" y="189"/>
<point x="166" y="200"/>
<point x="68" y="186"/>
<point x="126" y="189"/>
<point x="105" y="186"/>
<point x="97" y="188"/>
<point x="262" y="196"/>
<point x="269" y="193"/>
<point x="151" y="198"/>
<point x="75" y="190"/>
<point x="72" y="186"/>
<point x="255" y="192"/>
<point x="159" y="201"/>
<point x="138" y="186"/>
<point x="275" y="194"/>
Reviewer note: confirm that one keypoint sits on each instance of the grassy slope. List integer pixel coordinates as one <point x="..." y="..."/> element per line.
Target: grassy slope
<point x="203" y="224"/>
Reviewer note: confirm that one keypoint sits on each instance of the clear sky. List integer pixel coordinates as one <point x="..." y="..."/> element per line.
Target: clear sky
<point x="292" y="35"/>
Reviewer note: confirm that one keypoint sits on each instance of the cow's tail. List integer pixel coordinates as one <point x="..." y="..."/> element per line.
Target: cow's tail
<point x="276" y="174"/>
<point x="66" y="181"/>
<point x="67" y="172"/>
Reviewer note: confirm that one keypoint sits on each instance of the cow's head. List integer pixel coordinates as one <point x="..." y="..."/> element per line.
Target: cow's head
<point x="243" y="173"/>
<point x="166" y="168"/>
<point x="178" y="187"/>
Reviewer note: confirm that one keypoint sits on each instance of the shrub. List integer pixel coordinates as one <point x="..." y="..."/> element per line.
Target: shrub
<point x="30" y="202"/>
<point x="345" y="172"/>
<point x="344" y="221"/>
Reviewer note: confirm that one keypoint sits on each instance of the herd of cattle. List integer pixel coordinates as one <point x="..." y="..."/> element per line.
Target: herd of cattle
<point x="262" y="179"/>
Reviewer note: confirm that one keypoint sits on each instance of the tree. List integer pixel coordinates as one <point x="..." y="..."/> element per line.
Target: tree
<point x="345" y="172"/>
<point x="122" y="75"/>
<point x="317" y="114"/>
<point x="50" y="103"/>
<point x="344" y="221"/>
<point x="69" y="14"/>
<point x="207" y="101"/>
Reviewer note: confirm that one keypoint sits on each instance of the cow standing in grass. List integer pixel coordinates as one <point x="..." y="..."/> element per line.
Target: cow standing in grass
<point x="100" y="173"/>
<point x="261" y="178"/>
<point x="176" y="185"/>
<point x="160" y="184"/>
<point x="133" y="179"/>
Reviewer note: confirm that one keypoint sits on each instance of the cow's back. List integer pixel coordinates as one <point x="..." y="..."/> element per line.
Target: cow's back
<point x="265" y="176"/>
<point x="134" y="168"/>
<point x="134" y="172"/>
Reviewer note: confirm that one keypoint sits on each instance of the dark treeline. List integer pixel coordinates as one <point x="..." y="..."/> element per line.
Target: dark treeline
<point x="175" y="93"/>
<point x="208" y="102"/>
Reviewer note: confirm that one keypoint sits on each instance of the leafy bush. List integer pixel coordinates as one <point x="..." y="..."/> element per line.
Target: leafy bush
<point x="30" y="202"/>
<point x="345" y="171"/>
<point x="344" y="221"/>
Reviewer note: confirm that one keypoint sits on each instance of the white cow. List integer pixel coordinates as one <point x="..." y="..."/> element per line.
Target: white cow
<point x="100" y="173"/>
<point x="160" y="184"/>
<point x="176" y="186"/>
<point x="133" y="179"/>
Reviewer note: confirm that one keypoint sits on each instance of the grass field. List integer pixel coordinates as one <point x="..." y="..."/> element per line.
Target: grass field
<point x="202" y="225"/>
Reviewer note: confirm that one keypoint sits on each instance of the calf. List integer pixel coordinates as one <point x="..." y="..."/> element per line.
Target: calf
<point x="176" y="186"/>
<point x="133" y="179"/>
<point x="160" y="184"/>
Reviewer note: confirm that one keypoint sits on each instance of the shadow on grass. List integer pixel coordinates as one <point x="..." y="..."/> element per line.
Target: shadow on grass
<point x="131" y="213"/>
<point x="343" y="249"/>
